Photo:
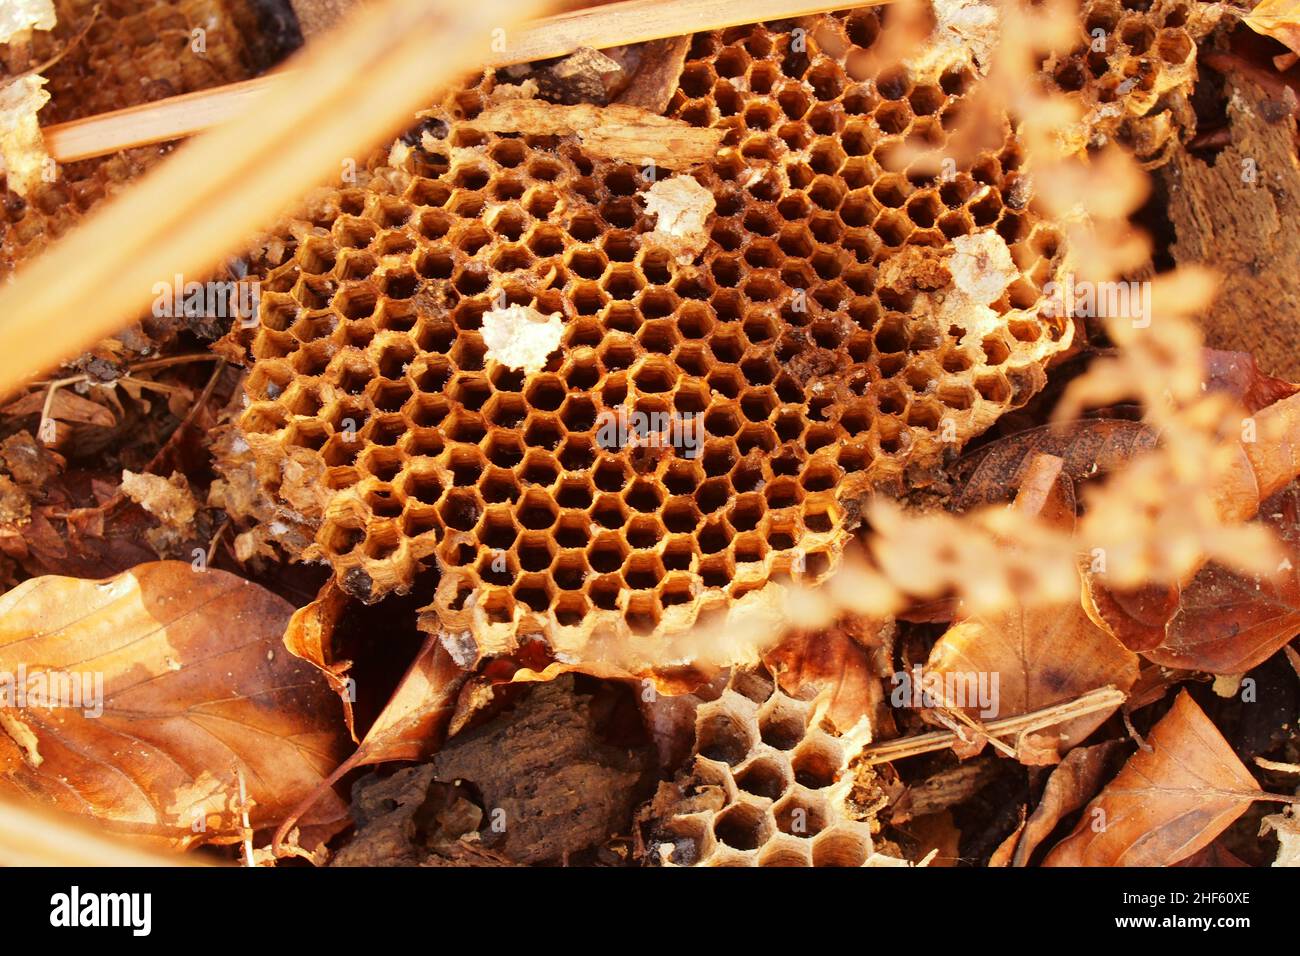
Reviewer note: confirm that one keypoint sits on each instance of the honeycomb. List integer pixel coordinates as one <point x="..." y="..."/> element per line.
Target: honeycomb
<point x="855" y="315"/>
<point x="765" y="786"/>
<point x="1132" y="71"/>
<point x="136" y="51"/>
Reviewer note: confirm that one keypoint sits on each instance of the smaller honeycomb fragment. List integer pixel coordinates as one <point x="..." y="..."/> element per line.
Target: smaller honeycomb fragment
<point x="765" y="786"/>
<point x="1132" y="70"/>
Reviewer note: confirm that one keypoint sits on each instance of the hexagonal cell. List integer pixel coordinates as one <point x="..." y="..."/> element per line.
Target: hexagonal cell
<point x="543" y="431"/>
<point x="801" y="815"/>
<point x="644" y="531"/>
<point x="536" y="510"/>
<point x="607" y="553"/>
<point x="742" y="826"/>
<point x="644" y="612"/>
<point x="536" y="551"/>
<point x="535" y="592"/>
<point x="643" y="571"/>
<point x="841" y="847"/>
<point x="765" y="777"/>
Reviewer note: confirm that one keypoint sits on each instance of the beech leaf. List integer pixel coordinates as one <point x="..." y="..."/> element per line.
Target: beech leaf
<point x="196" y="692"/>
<point x="1167" y="802"/>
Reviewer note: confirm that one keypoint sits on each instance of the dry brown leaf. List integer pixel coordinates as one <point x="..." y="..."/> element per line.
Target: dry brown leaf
<point x="1279" y="19"/>
<point x="935" y="834"/>
<point x="1038" y="655"/>
<point x="411" y="726"/>
<point x="1167" y="802"/>
<point x="1071" y="785"/>
<point x="1238" y="374"/>
<point x="831" y="660"/>
<point x="1086" y="447"/>
<point x="66" y="406"/>
<point x="1214" y="855"/>
<point x="1221" y="622"/>
<point x="1287" y="827"/>
<point x="308" y="636"/>
<point x="1001" y="856"/>
<point x="195" y="689"/>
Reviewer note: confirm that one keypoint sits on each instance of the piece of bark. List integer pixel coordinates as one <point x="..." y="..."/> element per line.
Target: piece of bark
<point x="608" y="132"/>
<point x="653" y="80"/>
<point x="1233" y="214"/>
<point x="546" y="784"/>
<point x="584" y="76"/>
<point x="944" y="790"/>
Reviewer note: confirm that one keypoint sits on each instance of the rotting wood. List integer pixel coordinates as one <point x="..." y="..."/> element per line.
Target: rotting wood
<point x="1230" y="214"/>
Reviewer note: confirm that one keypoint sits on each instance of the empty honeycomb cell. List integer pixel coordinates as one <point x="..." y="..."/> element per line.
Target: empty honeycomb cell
<point x="704" y="421"/>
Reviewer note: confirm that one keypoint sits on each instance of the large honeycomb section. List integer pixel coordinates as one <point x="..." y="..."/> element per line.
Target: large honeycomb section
<point x="813" y="342"/>
<point x="133" y="52"/>
<point x="765" y="786"/>
<point x="1132" y="71"/>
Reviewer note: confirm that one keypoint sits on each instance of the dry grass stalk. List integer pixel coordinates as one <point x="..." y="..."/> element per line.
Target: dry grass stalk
<point x="158" y="122"/>
<point x="1101" y="699"/>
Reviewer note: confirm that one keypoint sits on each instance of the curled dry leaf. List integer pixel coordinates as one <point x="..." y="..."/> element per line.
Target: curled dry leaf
<point x="1038" y="656"/>
<point x="1239" y="375"/>
<point x="1287" y="827"/>
<point x="65" y="406"/>
<point x="1221" y="622"/>
<point x="1167" y="802"/>
<point x="1071" y="785"/>
<point x="1279" y="19"/>
<point x="181" y="688"/>
<point x="1085" y="447"/>
<point x="809" y="662"/>
<point x="411" y="726"/>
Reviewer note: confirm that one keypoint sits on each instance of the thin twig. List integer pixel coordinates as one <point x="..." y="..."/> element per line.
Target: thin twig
<point x="48" y="405"/>
<point x="67" y="47"/>
<point x="1101" y="699"/>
